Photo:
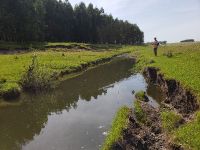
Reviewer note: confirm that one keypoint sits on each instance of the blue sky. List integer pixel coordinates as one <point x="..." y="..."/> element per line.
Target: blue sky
<point x="171" y="20"/>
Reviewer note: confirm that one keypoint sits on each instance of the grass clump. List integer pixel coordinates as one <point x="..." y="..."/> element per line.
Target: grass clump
<point x="170" y="120"/>
<point x="119" y="123"/>
<point x="141" y="95"/>
<point x="139" y="112"/>
<point x="189" y="134"/>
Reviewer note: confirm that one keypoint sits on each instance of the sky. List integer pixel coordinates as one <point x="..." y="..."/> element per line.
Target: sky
<point x="170" y="20"/>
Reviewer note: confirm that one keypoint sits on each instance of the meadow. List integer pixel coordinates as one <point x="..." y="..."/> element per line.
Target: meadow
<point x="180" y="62"/>
<point x="52" y="61"/>
<point x="175" y="61"/>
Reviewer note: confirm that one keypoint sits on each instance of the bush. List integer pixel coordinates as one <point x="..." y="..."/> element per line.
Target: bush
<point x="36" y="77"/>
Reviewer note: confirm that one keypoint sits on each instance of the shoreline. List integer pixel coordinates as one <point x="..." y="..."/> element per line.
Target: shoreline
<point x="176" y="110"/>
<point x="12" y="94"/>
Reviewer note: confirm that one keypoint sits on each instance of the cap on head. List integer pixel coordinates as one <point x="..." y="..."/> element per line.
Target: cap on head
<point x="155" y="38"/>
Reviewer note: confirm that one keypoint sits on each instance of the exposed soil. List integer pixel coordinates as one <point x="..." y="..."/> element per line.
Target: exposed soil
<point x="150" y="135"/>
<point x="182" y="100"/>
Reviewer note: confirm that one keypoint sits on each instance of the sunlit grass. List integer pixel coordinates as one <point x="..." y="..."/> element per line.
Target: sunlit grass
<point x="189" y="134"/>
<point x="170" y="120"/>
<point x="13" y="66"/>
<point x="119" y="123"/>
<point x="184" y="66"/>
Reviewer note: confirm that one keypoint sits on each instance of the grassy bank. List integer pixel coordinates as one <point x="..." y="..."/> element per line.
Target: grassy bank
<point x="13" y="66"/>
<point x="119" y="123"/>
<point x="183" y="65"/>
<point x="180" y="62"/>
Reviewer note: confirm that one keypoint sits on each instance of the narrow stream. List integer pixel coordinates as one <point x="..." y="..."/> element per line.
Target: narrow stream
<point x="76" y="115"/>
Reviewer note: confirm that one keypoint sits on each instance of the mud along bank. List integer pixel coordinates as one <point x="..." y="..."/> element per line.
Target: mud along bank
<point x="178" y="114"/>
<point x="178" y="97"/>
<point x="76" y="114"/>
<point x="148" y="127"/>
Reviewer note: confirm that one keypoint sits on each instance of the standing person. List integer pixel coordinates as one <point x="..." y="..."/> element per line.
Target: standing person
<point x="155" y="46"/>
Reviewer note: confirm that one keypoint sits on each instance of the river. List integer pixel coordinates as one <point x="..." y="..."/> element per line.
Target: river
<point x="77" y="114"/>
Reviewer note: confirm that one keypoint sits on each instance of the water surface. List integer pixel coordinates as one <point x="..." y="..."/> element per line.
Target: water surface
<point x="76" y="115"/>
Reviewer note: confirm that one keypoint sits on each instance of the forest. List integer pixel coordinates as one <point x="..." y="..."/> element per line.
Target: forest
<point x="58" y="21"/>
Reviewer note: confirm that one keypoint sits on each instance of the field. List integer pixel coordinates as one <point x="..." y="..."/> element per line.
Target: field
<point x="176" y="61"/>
<point x="53" y="61"/>
<point x="180" y="62"/>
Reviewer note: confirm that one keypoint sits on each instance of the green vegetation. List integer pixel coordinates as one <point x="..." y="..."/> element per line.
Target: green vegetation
<point x="182" y="66"/>
<point x="14" y="66"/>
<point x="140" y="95"/>
<point x="180" y="62"/>
<point x="189" y="134"/>
<point x="139" y="112"/>
<point x="170" y="120"/>
<point x="36" y="78"/>
<point x="119" y="123"/>
<point x="53" y="20"/>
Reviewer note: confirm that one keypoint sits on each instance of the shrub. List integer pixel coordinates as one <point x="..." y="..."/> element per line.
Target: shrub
<point x="36" y="77"/>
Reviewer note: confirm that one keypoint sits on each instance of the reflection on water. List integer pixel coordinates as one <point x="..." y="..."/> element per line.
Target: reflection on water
<point x="74" y="116"/>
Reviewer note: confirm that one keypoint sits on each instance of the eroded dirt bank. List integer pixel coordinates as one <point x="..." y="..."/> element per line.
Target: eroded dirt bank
<point x="150" y="135"/>
<point x="176" y="96"/>
<point x="143" y="136"/>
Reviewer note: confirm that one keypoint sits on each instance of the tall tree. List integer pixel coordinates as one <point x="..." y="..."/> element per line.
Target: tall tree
<point x="57" y="20"/>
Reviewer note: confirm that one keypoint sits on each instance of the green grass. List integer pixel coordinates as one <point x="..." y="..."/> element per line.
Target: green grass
<point x="184" y="67"/>
<point x="139" y="112"/>
<point x="170" y="120"/>
<point x="119" y="123"/>
<point x="140" y="95"/>
<point x="13" y="66"/>
<point x="189" y="134"/>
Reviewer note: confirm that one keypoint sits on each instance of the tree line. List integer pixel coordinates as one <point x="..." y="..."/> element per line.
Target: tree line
<point x="56" y="21"/>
